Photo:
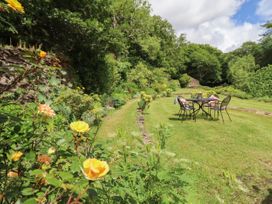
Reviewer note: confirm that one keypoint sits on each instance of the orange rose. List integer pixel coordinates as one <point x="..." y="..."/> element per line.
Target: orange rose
<point x="44" y="159"/>
<point x="42" y="54"/>
<point x="94" y="169"/>
<point x="46" y="110"/>
<point x="12" y="174"/>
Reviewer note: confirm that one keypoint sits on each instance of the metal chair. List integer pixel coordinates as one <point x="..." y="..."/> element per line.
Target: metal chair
<point x="211" y="104"/>
<point x="185" y="109"/>
<point x="222" y="106"/>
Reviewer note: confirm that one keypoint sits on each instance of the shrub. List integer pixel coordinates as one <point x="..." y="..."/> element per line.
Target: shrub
<point x="118" y="99"/>
<point x="184" y="80"/>
<point x="260" y="84"/>
<point x="174" y="85"/>
<point x="240" y="71"/>
<point x="229" y="90"/>
<point x="74" y="103"/>
<point x="39" y="153"/>
<point x="144" y="102"/>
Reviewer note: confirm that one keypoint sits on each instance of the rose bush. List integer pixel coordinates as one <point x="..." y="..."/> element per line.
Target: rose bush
<point x="49" y="152"/>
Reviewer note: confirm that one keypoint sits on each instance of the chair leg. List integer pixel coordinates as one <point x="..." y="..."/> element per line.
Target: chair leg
<point x="183" y="114"/>
<point x="192" y="115"/>
<point x="228" y="114"/>
<point x="180" y="113"/>
<point x="222" y="116"/>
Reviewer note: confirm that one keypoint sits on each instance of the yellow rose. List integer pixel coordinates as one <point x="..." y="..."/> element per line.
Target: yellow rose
<point x="12" y="174"/>
<point x="42" y="54"/>
<point x="16" y="156"/>
<point x="94" y="169"/>
<point x="51" y="150"/>
<point x="15" y="5"/>
<point x="80" y="126"/>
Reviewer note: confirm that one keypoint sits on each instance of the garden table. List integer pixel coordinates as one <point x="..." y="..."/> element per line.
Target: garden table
<point x="201" y="104"/>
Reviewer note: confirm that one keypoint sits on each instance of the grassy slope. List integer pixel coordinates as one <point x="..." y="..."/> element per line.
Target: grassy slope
<point x="226" y="160"/>
<point x="120" y="121"/>
<point x="236" y="102"/>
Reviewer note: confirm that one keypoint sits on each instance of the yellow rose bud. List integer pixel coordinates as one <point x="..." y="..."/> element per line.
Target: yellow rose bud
<point x="94" y="169"/>
<point x="51" y="150"/>
<point x="80" y="126"/>
<point x="16" y="156"/>
<point x="42" y="54"/>
<point x="12" y="174"/>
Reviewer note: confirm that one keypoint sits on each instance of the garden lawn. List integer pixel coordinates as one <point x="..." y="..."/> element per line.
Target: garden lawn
<point x="226" y="163"/>
<point x="120" y="123"/>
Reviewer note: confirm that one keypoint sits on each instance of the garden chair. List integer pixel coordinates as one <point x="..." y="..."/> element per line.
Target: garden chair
<point x="186" y="110"/>
<point x="214" y="103"/>
<point x="222" y="106"/>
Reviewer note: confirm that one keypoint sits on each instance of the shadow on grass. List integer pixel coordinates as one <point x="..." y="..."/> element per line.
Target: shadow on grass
<point x="268" y="199"/>
<point x="199" y="117"/>
<point x="175" y="119"/>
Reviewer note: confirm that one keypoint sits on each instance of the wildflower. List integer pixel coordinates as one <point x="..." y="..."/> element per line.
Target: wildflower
<point x="15" y="5"/>
<point x="16" y="156"/>
<point x="51" y="150"/>
<point x="80" y="126"/>
<point x="12" y="174"/>
<point x="42" y="54"/>
<point x="94" y="169"/>
<point x="45" y="159"/>
<point x="46" y="110"/>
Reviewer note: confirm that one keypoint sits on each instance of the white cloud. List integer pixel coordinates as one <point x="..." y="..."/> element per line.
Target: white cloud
<point x="223" y="33"/>
<point x="265" y="9"/>
<point x="207" y="21"/>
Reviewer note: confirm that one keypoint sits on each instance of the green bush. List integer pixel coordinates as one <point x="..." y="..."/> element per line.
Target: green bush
<point x="118" y="99"/>
<point x="229" y="90"/>
<point x="184" y="80"/>
<point x="144" y="102"/>
<point x="240" y="71"/>
<point x="174" y="85"/>
<point x="39" y="153"/>
<point x="260" y="84"/>
<point x="73" y="103"/>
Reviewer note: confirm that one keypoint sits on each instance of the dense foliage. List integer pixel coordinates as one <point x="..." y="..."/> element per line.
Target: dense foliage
<point x="261" y="83"/>
<point x="48" y="147"/>
<point x="240" y="71"/>
<point x="104" y="39"/>
<point x="110" y="43"/>
<point x="108" y="52"/>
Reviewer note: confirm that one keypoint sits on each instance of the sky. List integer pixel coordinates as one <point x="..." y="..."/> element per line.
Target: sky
<point x="225" y="24"/>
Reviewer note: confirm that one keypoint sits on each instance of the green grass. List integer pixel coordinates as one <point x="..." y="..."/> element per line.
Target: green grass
<point x="229" y="162"/>
<point x="121" y="122"/>
<point x="235" y="102"/>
